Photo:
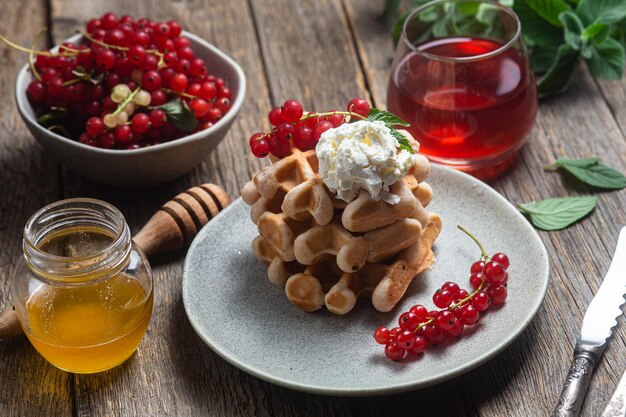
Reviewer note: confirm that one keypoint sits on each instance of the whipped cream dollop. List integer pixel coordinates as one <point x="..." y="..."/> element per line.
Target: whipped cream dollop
<point x="362" y="155"/>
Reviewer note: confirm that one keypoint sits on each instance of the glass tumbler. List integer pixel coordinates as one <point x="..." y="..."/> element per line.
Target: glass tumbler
<point x="462" y="79"/>
<point x="82" y="290"/>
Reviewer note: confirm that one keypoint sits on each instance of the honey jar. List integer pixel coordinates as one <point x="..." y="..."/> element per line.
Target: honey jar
<point x="82" y="290"/>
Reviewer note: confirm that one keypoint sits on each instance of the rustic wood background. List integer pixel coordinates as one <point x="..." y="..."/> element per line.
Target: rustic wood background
<point x="322" y="52"/>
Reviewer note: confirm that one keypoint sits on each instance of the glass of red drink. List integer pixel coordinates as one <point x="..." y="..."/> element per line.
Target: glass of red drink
<point x="461" y="78"/>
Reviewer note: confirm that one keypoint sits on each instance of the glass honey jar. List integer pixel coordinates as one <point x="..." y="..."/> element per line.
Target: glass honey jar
<point x="82" y="290"/>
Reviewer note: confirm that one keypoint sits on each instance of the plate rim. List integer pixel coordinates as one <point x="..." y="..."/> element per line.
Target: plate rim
<point x="391" y="389"/>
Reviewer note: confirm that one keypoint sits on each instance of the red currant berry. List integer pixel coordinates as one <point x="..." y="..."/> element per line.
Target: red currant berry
<point x="94" y="126"/>
<point x="122" y="133"/>
<point x="140" y="37"/>
<point x="405" y="339"/>
<point x="442" y="298"/>
<point x="494" y="272"/>
<point x="456" y="330"/>
<point x="115" y="37"/>
<point x="452" y="288"/>
<point x="408" y="321"/>
<point x="505" y="280"/>
<point x="420" y="311"/>
<point x="502" y="259"/>
<point x="469" y="315"/>
<point x="260" y="148"/>
<point x="477" y="267"/>
<point x="200" y="107"/>
<point x="175" y="29"/>
<point x="480" y="301"/>
<point x="336" y="119"/>
<point x="223" y="104"/>
<point x="178" y="82"/>
<point x="208" y="90"/>
<point x="445" y="320"/>
<point x="182" y="66"/>
<point x="140" y="123"/>
<point x="311" y="120"/>
<point x="381" y="335"/>
<point x="157" y="118"/>
<point x="225" y="92"/>
<point x="461" y="295"/>
<point x="477" y="279"/>
<point x="55" y="87"/>
<point x="303" y="138"/>
<point x="285" y="131"/>
<point x="320" y="128"/>
<point x="419" y="345"/>
<point x="197" y="68"/>
<point x="393" y="333"/>
<point x="162" y="30"/>
<point x="279" y="147"/>
<point x="394" y="352"/>
<point x="92" y="25"/>
<point x="181" y="42"/>
<point x="276" y="116"/>
<point x="109" y="21"/>
<point x="150" y="63"/>
<point x="194" y="89"/>
<point x="359" y="106"/>
<point x="157" y="98"/>
<point x="214" y="114"/>
<point x="106" y="140"/>
<point x="292" y="111"/>
<point x="151" y="80"/>
<point x="497" y="294"/>
<point x="36" y="91"/>
<point x="105" y="59"/>
<point x="433" y="335"/>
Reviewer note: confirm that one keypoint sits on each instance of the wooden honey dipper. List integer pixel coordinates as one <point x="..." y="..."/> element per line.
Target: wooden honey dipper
<point x="172" y="227"/>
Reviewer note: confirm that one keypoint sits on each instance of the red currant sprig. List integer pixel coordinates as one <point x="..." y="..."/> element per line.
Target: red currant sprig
<point x="291" y="127"/>
<point x="418" y="328"/>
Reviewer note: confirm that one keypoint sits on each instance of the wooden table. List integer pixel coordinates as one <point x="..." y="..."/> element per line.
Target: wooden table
<point x="322" y="52"/>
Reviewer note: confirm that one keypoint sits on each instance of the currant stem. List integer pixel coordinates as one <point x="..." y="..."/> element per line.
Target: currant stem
<point x="179" y="93"/>
<point x="469" y="297"/>
<point x="482" y="249"/>
<point x="31" y="61"/>
<point x="32" y="51"/>
<point x="119" y="48"/>
<point x="128" y="99"/>
<point x="330" y="113"/>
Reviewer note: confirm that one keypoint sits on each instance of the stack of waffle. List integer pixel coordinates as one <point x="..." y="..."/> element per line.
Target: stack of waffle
<point x="325" y="251"/>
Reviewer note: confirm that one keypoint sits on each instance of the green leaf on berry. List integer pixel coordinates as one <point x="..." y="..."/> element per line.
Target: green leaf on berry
<point x="83" y="75"/>
<point x="388" y="118"/>
<point x="591" y="171"/>
<point x="558" y="213"/>
<point x="56" y="115"/>
<point x="179" y="114"/>
<point x="402" y="140"/>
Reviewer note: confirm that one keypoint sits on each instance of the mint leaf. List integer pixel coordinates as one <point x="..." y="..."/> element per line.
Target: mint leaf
<point x="396" y="29"/>
<point x="179" y="114"/>
<point x="573" y="28"/>
<point x="605" y="11"/>
<point x="391" y="7"/>
<point x="388" y="118"/>
<point x="402" y="140"/>
<point x="549" y="10"/>
<point x="542" y="58"/>
<point x="591" y="172"/>
<point x="558" y="213"/>
<point x="607" y="60"/>
<point x="597" y="32"/>
<point x="535" y="28"/>
<point x="559" y="74"/>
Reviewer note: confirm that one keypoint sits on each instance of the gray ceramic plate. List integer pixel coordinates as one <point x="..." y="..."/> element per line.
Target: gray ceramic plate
<point x="250" y="323"/>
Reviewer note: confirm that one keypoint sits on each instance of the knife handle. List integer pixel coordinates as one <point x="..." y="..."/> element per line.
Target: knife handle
<point x="577" y="381"/>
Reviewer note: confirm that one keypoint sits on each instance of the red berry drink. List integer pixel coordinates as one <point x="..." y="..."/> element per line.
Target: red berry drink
<point x="465" y="113"/>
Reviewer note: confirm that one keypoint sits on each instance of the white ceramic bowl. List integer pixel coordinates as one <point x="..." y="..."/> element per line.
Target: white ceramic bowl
<point x="148" y="166"/>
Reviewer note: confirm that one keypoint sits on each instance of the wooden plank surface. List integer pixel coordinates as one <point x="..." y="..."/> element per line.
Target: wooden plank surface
<point x="323" y="53"/>
<point x="526" y="379"/>
<point x="28" y="180"/>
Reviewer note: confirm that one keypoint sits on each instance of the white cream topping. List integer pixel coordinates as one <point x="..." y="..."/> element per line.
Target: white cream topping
<point x="363" y="155"/>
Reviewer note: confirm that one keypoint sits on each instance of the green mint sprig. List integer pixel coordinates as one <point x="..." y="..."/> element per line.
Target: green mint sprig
<point x="391" y="120"/>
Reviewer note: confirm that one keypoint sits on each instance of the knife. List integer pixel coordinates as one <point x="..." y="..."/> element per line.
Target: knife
<point x="597" y="327"/>
<point x="617" y="404"/>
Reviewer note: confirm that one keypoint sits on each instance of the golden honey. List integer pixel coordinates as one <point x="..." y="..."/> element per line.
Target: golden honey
<point x="87" y="297"/>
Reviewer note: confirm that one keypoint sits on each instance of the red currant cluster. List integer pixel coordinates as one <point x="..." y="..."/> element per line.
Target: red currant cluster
<point x="291" y="127"/>
<point x="116" y="78"/>
<point x="419" y="327"/>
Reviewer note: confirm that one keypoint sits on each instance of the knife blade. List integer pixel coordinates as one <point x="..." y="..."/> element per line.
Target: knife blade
<point x="597" y="327"/>
<point x="617" y="404"/>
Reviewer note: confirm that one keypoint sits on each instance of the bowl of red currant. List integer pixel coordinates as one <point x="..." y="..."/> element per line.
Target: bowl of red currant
<point x="129" y="103"/>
